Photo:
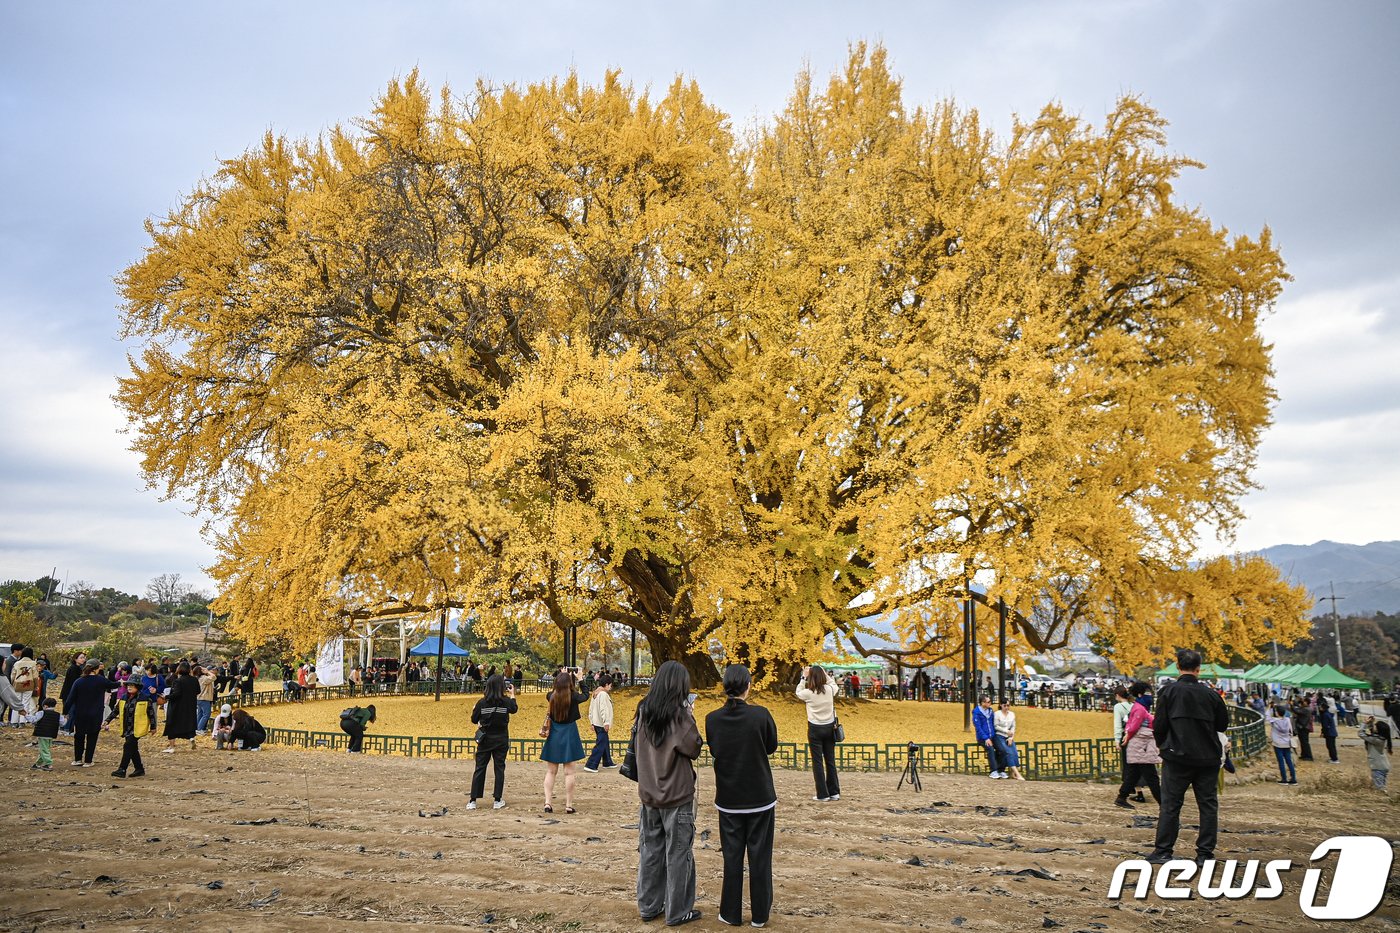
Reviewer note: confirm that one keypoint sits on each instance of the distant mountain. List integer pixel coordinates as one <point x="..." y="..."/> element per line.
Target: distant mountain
<point x="1367" y="575"/>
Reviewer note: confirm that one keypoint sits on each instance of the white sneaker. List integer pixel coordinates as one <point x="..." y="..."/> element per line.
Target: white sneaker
<point x="498" y="805"/>
<point x="820" y="798"/>
<point x="997" y="776"/>
<point x="834" y="797"/>
<point x="471" y="804"/>
<point x="591" y="770"/>
<point x="167" y="751"/>
<point x="77" y="764"/>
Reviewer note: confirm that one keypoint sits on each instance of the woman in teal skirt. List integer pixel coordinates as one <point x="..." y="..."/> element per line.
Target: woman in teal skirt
<point x="562" y="746"/>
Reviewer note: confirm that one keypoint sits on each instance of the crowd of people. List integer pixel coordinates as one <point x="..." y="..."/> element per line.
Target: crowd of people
<point x="130" y="700"/>
<point x="1180" y="728"/>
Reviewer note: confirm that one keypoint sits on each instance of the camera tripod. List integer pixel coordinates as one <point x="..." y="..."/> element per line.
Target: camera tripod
<point x="911" y="770"/>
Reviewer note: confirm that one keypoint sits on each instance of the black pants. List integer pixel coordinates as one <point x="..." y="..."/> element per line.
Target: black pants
<point x="821" y="742"/>
<point x="356" y="731"/>
<point x="484" y="755"/>
<point x="1176" y="778"/>
<point x="1304" y="747"/>
<point x="1140" y="776"/>
<point x="751" y="834"/>
<point x="1331" y="741"/>
<point x="131" y="755"/>
<point x="84" y="744"/>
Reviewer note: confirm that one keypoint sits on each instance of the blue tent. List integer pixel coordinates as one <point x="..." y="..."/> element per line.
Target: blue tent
<point x="428" y="647"/>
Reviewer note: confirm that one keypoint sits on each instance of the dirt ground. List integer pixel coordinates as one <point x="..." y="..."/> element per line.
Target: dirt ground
<point x="353" y="841"/>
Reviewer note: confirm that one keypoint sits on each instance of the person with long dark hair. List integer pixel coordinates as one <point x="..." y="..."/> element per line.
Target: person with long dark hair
<point x="819" y="691"/>
<point x="181" y="707"/>
<point x="666" y="743"/>
<point x="247" y="731"/>
<point x="741" y="738"/>
<point x="75" y="670"/>
<point x="562" y="746"/>
<point x="492" y="713"/>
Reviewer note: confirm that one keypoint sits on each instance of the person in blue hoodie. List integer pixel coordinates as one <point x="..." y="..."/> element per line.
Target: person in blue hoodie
<point x="984" y="721"/>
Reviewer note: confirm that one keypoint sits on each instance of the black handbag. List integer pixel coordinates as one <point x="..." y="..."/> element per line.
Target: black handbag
<point x="628" y="769"/>
<point x="838" y="731"/>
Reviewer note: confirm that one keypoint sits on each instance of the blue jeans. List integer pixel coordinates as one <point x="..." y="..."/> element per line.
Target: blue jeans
<point x="1285" y="758"/>
<point x="1006" y="753"/>
<point x="205" y="709"/>
<point x="602" y="750"/>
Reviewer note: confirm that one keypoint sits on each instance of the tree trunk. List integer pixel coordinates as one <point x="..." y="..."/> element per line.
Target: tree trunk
<point x="700" y="665"/>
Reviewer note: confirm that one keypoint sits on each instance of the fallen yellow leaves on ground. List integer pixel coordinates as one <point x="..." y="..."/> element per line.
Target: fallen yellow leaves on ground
<point x="866" y="721"/>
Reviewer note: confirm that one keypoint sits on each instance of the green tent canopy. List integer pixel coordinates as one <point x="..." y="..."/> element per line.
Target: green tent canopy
<point x="1256" y="674"/>
<point x="855" y="664"/>
<point x="1265" y="673"/>
<point x="1208" y="671"/>
<point x="1328" y="677"/>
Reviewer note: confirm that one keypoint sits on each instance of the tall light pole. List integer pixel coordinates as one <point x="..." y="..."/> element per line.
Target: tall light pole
<point x="1336" y="630"/>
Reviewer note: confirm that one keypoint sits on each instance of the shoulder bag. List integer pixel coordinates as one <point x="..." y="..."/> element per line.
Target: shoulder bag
<point x="628" y="768"/>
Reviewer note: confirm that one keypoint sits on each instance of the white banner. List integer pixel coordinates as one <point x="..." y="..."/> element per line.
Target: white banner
<point x="330" y="663"/>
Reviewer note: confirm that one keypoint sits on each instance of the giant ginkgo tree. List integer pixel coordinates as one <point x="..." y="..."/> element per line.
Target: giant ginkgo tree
<point x="573" y="354"/>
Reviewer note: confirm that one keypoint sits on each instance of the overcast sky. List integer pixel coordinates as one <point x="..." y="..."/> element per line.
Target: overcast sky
<point x="111" y="111"/>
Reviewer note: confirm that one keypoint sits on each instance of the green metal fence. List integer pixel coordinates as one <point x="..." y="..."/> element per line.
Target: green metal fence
<point x="1067" y="759"/>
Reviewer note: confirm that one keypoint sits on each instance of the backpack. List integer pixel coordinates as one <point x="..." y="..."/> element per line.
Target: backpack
<point x="22" y="678"/>
<point x="348" y="713"/>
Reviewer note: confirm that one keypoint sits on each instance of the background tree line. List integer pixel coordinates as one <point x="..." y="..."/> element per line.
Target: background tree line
<point x="118" y="625"/>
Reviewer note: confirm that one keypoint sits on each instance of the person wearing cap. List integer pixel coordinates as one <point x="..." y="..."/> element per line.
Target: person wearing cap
<point x="87" y="702"/>
<point x="131" y="718"/>
<point x="222" y="727"/>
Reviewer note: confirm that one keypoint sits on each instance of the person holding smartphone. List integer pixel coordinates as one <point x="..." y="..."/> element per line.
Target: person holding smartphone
<point x="562" y="746"/>
<point x="492" y="714"/>
<point x="819" y="691"/>
<point x="666" y="745"/>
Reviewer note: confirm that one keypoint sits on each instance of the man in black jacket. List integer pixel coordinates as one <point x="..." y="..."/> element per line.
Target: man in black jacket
<point x="1188" y="721"/>
<point x="741" y="738"/>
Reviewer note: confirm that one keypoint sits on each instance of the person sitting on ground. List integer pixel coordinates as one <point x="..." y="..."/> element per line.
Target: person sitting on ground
<point x="353" y="723"/>
<point x="222" y="726"/>
<point x="247" y="732"/>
